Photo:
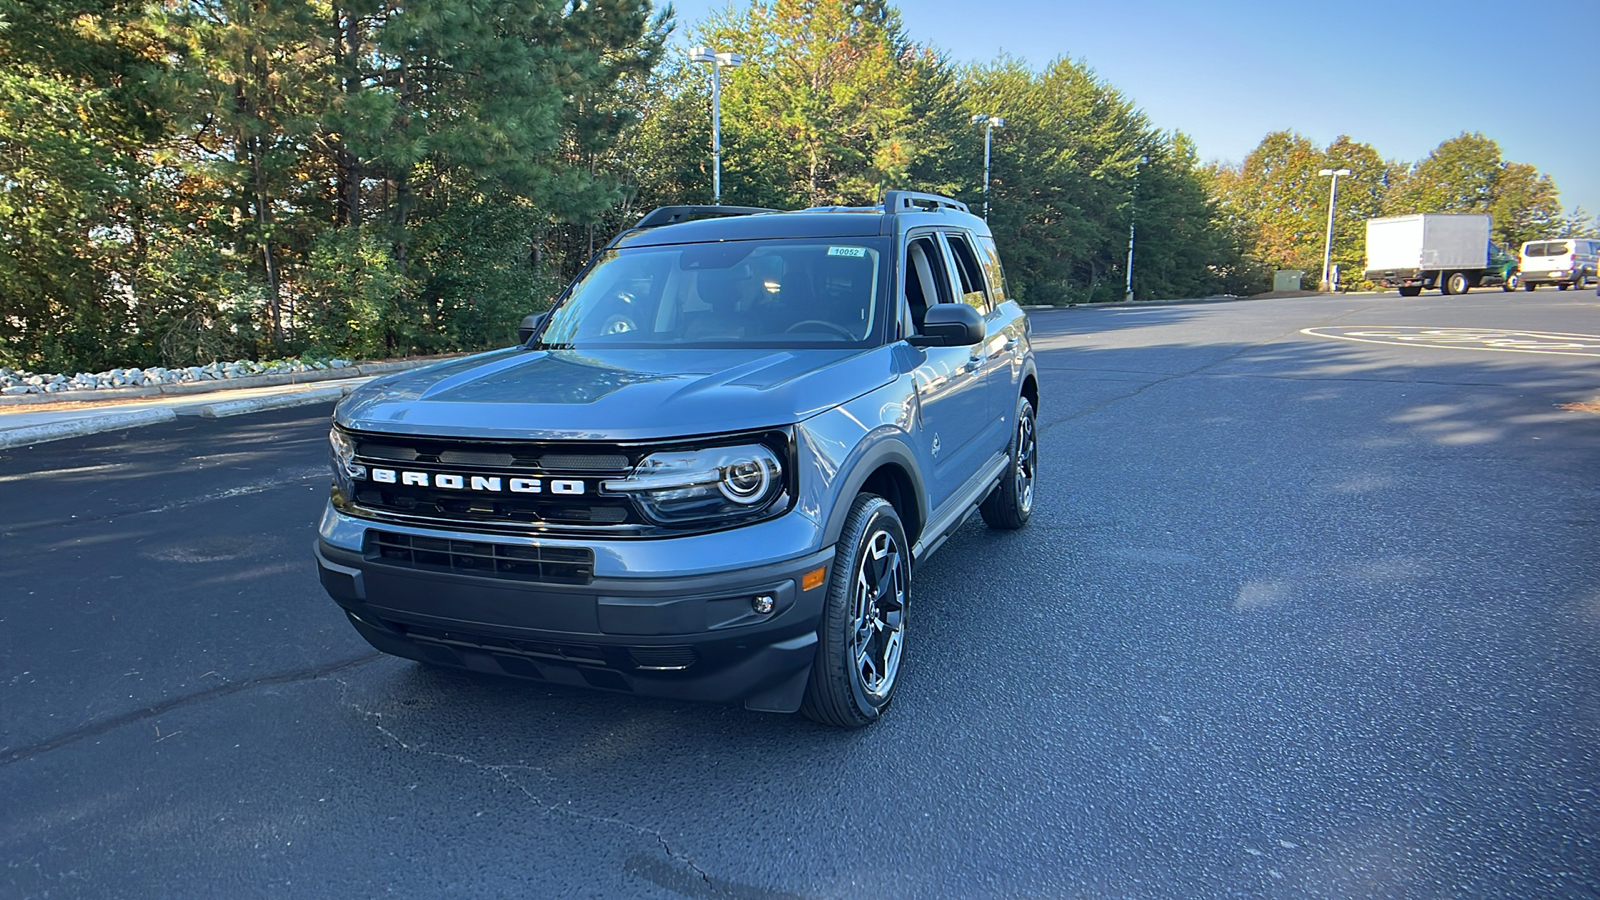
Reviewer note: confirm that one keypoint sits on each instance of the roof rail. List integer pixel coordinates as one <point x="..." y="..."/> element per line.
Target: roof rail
<point x="906" y="201"/>
<point x="672" y="215"/>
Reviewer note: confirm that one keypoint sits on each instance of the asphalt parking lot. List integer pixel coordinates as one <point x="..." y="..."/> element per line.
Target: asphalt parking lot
<point x="1309" y="607"/>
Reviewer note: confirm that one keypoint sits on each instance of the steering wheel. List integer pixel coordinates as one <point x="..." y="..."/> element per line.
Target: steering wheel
<point x="834" y="327"/>
<point x="618" y="325"/>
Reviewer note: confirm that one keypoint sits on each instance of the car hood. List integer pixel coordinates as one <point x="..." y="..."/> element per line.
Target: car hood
<point x="607" y="395"/>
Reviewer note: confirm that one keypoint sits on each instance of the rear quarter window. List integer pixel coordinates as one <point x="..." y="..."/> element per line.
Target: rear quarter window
<point x="1548" y="248"/>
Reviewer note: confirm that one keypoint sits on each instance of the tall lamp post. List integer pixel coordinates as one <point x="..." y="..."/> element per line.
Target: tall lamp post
<point x="1327" y="243"/>
<point x="989" y="123"/>
<point x="1133" y="204"/>
<point x="717" y="61"/>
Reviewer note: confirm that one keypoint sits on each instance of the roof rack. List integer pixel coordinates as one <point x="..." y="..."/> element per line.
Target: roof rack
<point x="672" y="215"/>
<point x="908" y="201"/>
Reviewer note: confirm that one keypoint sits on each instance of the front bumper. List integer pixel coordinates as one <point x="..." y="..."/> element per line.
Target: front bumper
<point x="689" y="637"/>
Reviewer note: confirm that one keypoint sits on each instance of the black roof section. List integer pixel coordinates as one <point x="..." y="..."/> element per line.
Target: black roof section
<point x="698" y="224"/>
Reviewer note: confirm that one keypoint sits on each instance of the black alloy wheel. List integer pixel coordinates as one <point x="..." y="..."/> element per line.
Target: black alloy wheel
<point x="861" y="641"/>
<point x="1009" y="505"/>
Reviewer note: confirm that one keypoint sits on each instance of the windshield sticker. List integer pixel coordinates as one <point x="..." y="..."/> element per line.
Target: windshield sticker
<point x="857" y="252"/>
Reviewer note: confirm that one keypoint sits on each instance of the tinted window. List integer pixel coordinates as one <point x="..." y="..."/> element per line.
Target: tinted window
<point x="759" y="293"/>
<point x="972" y="290"/>
<point x="991" y="267"/>
<point x="927" y="281"/>
<point x="1549" y="248"/>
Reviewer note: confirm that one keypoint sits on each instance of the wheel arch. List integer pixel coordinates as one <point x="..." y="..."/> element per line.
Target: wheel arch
<point x="889" y="470"/>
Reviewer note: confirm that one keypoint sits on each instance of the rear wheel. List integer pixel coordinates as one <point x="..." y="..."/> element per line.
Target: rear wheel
<point x="1561" y="286"/>
<point x="1528" y="285"/>
<point x="1457" y="283"/>
<point x="1009" y="506"/>
<point x="1414" y="290"/>
<point x="862" y="635"/>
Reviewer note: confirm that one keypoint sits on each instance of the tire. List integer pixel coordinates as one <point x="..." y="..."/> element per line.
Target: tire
<point x="1009" y="505"/>
<point x="861" y="640"/>
<point x="1510" y="284"/>
<point x="1528" y="285"/>
<point x="1457" y="283"/>
<point x="1414" y="290"/>
<point x="1561" y="286"/>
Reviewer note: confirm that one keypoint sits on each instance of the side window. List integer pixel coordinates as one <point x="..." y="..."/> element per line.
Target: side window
<point x="926" y="279"/>
<point x="972" y="291"/>
<point x="991" y="266"/>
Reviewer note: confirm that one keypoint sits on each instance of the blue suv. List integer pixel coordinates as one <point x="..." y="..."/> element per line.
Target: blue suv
<point x="708" y="472"/>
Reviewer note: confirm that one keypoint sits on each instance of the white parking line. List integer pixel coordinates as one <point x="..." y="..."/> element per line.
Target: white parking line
<point x="1494" y="339"/>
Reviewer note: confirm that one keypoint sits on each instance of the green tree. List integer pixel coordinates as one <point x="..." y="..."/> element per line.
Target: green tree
<point x="1062" y="177"/>
<point x="1467" y="173"/>
<point x="81" y="93"/>
<point x="258" y="78"/>
<point x="824" y="109"/>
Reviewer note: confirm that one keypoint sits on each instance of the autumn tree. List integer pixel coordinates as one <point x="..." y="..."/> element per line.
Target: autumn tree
<point x="1467" y="173"/>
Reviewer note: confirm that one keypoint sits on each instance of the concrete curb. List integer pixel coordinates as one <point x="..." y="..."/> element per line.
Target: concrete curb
<point x="226" y="384"/>
<point x="95" y="424"/>
<point x="227" y="408"/>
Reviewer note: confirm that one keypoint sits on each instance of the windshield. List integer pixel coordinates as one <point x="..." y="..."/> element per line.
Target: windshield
<point x="1549" y="248"/>
<point x="781" y="294"/>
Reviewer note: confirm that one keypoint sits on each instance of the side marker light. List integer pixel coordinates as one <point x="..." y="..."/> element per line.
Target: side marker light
<point x="813" y="579"/>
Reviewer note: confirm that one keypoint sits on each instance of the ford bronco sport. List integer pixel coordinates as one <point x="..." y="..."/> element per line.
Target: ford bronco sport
<point x="708" y="472"/>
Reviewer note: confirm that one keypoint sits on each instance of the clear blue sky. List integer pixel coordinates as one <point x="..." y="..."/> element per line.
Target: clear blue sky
<point x="1401" y="75"/>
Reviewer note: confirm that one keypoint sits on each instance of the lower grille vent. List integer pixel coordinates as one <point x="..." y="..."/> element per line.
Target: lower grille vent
<point x="581" y="654"/>
<point x="518" y="562"/>
<point x="663" y="657"/>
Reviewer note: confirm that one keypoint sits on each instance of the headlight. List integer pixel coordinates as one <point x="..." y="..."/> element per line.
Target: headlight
<point x="683" y="486"/>
<point x="345" y="468"/>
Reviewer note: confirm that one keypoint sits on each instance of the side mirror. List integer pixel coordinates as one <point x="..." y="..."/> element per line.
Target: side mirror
<point x="530" y="324"/>
<point x="949" y="325"/>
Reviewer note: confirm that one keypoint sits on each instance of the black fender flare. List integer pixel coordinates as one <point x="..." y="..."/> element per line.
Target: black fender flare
<point x="886" y="451"/>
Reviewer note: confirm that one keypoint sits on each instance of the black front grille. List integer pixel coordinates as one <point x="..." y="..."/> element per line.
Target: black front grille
<point x="517" y="562"/>
<point x="404" y="481"/>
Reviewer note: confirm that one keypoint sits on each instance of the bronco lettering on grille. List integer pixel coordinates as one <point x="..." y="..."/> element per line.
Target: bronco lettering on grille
<point x="493" y="484"/>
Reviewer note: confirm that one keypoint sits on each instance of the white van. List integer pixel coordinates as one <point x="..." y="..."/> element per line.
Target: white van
<point x="1563" y="262"/>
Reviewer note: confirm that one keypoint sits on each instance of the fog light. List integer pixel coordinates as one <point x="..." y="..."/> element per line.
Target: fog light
<point x="763" y="604"/>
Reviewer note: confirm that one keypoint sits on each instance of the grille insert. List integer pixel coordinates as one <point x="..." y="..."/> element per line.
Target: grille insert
<point x="663" y="658"/>
<point x="517" y="562"/>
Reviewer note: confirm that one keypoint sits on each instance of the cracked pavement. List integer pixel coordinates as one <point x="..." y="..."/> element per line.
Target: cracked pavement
<point x="1295" y="617"/>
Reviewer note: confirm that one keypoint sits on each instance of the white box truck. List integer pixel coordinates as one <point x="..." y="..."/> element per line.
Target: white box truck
<point x="1449" y="251"/>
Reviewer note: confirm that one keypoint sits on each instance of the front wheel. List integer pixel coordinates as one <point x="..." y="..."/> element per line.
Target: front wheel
<point x="1009" y="505"/>
<point x="862" y="635"/>
<point x="1510" y="284"/>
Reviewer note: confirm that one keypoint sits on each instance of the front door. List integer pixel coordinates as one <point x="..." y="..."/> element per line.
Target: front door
<point x="950" y="380"/>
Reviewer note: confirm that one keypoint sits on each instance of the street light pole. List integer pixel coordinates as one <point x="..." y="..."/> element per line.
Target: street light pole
<point x="1127" y="296"/>
<point x="989" y="123"/>
<point x="1327" y="242"/>
<point x="717" y="61"/>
